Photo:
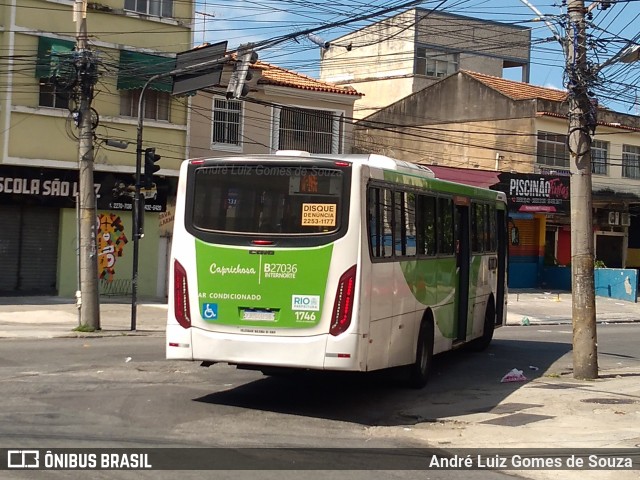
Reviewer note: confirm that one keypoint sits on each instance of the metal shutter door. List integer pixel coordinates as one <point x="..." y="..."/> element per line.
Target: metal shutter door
<point x="9" y="248"/>
<point x="39" y="250"/>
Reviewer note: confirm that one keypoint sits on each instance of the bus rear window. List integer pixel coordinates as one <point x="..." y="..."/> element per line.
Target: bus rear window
<point x="271" y="199"/>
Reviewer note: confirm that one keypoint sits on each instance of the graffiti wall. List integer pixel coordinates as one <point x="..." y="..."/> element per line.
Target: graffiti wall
<point x="111" y="240"/>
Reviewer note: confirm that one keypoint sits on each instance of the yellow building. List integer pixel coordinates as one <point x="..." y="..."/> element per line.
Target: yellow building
<point x="131" y="40"/>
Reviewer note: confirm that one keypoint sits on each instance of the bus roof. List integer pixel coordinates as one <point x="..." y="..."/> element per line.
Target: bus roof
<point x="387" y="163"/>
<point x="371" y="159"/>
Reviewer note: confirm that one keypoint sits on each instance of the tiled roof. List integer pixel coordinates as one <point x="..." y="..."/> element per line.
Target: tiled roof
<point x="518" y="90"/>
<point x="273" y="75"/>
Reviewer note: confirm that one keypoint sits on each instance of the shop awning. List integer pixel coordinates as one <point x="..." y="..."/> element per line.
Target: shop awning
<point x="136" y="68"/>
<point x="52" y="54"/>
<point x="475" y="178"/>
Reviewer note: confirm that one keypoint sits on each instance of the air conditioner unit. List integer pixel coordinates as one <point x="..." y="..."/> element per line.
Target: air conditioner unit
<point x="614" y="218"/>
<point x="625" y="219"/>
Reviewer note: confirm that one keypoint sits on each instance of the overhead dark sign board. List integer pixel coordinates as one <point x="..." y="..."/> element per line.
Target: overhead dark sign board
<point x="535" y="193"/>
<point x="59" y="188"/>
<point x="202" y="77"/>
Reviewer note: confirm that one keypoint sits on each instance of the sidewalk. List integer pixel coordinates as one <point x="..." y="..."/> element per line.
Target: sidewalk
<point x="47" y="317"/>
<point x="538" y="307"/>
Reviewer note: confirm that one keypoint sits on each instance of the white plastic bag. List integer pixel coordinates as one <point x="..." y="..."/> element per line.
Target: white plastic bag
<point x="514" y="375"/>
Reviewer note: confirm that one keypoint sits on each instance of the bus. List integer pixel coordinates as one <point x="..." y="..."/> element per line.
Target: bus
<point x="332" y="262"/>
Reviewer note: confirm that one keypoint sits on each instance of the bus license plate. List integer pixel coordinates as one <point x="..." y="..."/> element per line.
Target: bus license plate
<point x="261" y="315"/>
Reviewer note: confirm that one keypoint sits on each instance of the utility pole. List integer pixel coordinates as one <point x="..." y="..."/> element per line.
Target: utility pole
<point x="88" y="256"/>
<point x="581" y="121"/>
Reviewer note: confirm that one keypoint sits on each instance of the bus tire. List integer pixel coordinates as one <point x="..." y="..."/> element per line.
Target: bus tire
<point x="419" y="370"/>
<point x="480" y="344"/>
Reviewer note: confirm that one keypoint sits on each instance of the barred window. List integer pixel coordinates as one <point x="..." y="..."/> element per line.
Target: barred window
<point x="227" y="122"/>
<point x="630" y="161"/>
<point x="52" y="95"/>
<point x="159" y="8"/>
<point x="156" y="104"/>
<point x="552" y="149"/>
<point x="435" y="64"/>
<point x="599" y="157"/>
<point x="314" y="131"/>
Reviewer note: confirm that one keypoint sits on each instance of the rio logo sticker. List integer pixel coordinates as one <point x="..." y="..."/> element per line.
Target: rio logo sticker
<point x="307" y="303"/>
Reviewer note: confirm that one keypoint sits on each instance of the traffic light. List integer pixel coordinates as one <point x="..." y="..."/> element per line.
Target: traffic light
<point x="150" y="167"/>
<point x="241" y="74"/>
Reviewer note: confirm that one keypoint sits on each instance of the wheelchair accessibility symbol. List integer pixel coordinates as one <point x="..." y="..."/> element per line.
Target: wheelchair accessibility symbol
<point x="210" y="311"/>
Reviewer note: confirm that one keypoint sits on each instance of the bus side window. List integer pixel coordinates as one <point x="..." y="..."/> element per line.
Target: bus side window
<point x="480" y="226"/>
<point x="410" y="223"/>
<point x="426" y="226"/>
<point x="474" y="227"/>
<point x="386" y="209"/>
<point x="373" y="220"/>
<point x="493" y="228"/>
<point x="399" y="225"/>
<point x="487" y="228"/>
<point x="445" y="226"/>
<point x="380" y="213"/>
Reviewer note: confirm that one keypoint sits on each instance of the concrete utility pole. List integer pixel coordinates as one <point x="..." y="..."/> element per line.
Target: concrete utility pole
<point x="89" y="303"/>
<point x="581" y="120"/>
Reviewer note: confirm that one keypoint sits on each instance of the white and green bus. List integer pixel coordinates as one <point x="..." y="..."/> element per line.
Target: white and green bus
<point x="332" y="262"/>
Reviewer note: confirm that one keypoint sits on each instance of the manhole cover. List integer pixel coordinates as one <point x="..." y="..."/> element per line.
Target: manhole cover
<point x="609" y="401"/>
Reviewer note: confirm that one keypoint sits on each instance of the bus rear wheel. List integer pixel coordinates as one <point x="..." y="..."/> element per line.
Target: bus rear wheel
<point x="419" y="370"/>
<point x="483" y="342"/>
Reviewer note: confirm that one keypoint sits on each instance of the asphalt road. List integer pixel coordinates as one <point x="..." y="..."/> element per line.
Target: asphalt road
<point x="121" y="392"/>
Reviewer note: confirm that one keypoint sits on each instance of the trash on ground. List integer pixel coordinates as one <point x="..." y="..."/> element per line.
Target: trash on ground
<point x="533" y="367"/>
<point x="514" y="375"/>
<point x="525" y="321"/>
<point x="127" y="360"/>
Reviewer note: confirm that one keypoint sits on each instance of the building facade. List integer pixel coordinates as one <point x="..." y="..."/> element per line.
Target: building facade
<point x="497" y="133"/>
<point x="39" y="145"/>
<point x="403" y="54"/>
<point x="283" y="111"/>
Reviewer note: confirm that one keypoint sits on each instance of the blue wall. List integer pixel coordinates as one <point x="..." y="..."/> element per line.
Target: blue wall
<point x="523" y="275"/>
<point x="617" y="283"/>
<point x="557" y="278"/>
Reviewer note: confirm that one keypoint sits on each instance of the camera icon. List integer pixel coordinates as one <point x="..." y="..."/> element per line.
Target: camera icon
<point x="23" y="459"/>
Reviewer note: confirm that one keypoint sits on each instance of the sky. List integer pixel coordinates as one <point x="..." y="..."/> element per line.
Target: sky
<point x="610" y="29"/>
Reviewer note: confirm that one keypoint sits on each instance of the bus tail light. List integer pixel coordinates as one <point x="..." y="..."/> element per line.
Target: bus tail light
<point x="343" y="305"/>
<point x="181" y="295"/>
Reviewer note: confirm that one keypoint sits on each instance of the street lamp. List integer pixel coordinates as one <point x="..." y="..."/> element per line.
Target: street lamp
<point x="194" y="66"/>
<point x="630" y="54"/>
